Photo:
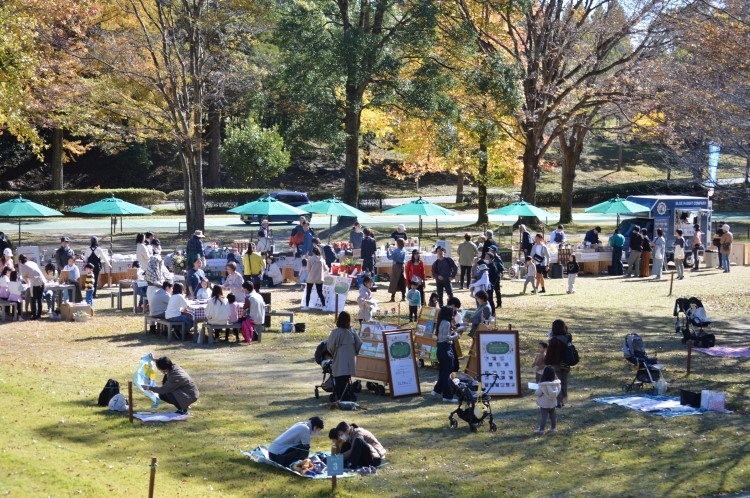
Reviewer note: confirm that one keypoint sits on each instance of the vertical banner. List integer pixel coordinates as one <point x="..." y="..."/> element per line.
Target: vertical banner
<point x="713" y="166"/>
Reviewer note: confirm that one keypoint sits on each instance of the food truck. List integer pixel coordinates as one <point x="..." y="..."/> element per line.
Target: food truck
<point x="670" y="213"/>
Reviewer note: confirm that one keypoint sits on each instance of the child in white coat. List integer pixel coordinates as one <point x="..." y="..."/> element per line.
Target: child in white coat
<point x="546" y="399"/>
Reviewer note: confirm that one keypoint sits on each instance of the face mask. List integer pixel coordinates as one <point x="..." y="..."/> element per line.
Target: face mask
<point x="344" y="437"/>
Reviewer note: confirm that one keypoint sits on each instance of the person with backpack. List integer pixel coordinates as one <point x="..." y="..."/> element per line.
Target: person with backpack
<point x="558" y="236"/>
<point x="557" y="354"/>
<point x="97" y="258"/>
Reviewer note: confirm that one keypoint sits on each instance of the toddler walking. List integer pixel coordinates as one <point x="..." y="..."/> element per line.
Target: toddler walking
<point x="414" y="297"/>
<point x="89" y="284"/>
<point x="530" y="275"/>
<point x="573" y="270"/>
<point x="546" y="399"/>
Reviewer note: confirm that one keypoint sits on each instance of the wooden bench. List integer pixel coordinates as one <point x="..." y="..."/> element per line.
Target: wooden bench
<point x="170" y="326"/>
<point x="288" y="314"/>
<point x="210" y="329"/>
<point x="8" y="304"/>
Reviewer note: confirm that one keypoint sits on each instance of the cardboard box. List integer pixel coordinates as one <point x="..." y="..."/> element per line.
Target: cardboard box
<point x="67" y="310"/>
<point x="737" y="255"/>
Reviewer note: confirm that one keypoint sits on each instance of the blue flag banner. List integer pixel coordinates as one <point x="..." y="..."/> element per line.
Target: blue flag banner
<point x="713" y="166"/>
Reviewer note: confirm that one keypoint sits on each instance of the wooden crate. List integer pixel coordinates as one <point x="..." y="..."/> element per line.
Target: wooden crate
<point x="737" y="256"/>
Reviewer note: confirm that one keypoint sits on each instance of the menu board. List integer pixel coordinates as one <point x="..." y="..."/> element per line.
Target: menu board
<point x="498" y="362"/>
<point x="334" y="288"/>
<point x="402" y="366"/>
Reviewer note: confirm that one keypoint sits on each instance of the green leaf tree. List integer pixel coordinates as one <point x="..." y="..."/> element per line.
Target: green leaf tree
<point x="251" y="154"/>
<point x="339" y="57"/>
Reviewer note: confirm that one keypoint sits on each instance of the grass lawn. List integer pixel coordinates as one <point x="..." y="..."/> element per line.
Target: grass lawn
<point x="57" y="442"/>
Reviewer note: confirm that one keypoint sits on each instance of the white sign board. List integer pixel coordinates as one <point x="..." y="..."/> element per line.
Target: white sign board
<point x="31" y="253"/>
<point x="499" y="363"/>
<point x="402" y="366"/>
<point x="334" y="288"/>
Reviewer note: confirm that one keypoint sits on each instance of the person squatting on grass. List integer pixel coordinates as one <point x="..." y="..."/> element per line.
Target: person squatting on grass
<point x="294" y="443"/>
<point x="177" y="388"/>
<point x="546" y="399"/>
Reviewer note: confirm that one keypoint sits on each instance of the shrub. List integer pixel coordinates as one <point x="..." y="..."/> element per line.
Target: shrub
<point x="65" y="200"/>
<point x="253" y="154"/>
<point x="589" y="196"/>
<point x="223" y="198"/>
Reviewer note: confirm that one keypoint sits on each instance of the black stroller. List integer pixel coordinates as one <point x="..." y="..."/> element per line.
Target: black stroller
<point x="648" y="371"/>
<point x="325" y="360"/>
<point x="691" y="321"/>
<point x="470" y="403"/>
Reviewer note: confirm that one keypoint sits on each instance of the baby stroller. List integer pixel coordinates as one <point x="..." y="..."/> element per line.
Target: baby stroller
<point x="691" y="321"/>
<point x="325" y="360"/>
<point x="473" y="408"/>
<point x="647" y="370"/>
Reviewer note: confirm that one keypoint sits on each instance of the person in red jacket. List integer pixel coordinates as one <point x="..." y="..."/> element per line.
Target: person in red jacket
<point x="415" y="268"/>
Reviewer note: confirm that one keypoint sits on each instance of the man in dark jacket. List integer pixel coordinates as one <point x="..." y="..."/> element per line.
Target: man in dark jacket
<point x="368" y="251"/>
<point x="496" y="269"/>
<point x="444" y="270"/>
<point x="63" y="253"/>
<point x="634" y="259"/>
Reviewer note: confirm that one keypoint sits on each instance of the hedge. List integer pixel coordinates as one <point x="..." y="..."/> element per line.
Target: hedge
<point x="65" y="200"/>
<point x="588" y="196"/>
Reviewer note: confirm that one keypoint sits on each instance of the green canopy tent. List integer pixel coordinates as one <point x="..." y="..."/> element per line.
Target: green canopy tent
<point x="24" y="208"/>
<point x="617" y="206"/>
<point x="522" y="209"/>
<point x="420" y="207"/>
<point x="333" y="207"/>
<point x="268" y="206"/>
<point x="113" y="207"/>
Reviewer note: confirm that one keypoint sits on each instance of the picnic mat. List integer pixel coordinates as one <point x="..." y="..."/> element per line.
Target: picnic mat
<point x="159" y="417"/>
<point x="725" y="352"/>
<point x="260" y="455"/>
<point x="653" y="404"/>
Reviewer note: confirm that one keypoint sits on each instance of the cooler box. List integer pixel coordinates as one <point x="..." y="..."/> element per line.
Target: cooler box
<point x="556" y="270"/>
<point x="67" y="310"/>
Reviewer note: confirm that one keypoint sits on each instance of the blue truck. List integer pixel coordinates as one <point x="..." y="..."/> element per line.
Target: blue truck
<point x="670" y="213"/>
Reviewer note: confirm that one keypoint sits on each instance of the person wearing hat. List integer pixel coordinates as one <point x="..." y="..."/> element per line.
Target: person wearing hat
<point x="8" y="259"/>
<point x="444" y="270"/>
<point x="726" y="247"/>
<point x="397" y="282"/>
<point x="415" y="272"/>
<point x="467" y="253"/>
<point x="399" y="233"/>
<point x="482" y="281"/>
<point x="63" y="253"/>
<point x="95" y="256"/>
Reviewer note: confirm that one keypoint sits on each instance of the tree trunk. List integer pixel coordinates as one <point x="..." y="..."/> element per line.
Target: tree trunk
<point x="351" y="161"/>
<point x="213" y="174"/>
<point x="747" y="171"/>
<point x="530" y="167"/>
<point x="482" y="182"/>
<point x="57" y="158"/>
<point x="196" y="186"/>
<point x="571" y="148"/>
<point x="186" y="197"/>
<point x="460" y="186"/>
<point x="619" y="155"/>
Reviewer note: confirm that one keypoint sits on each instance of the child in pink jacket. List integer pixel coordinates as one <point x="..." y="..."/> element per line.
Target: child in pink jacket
<point x="546" y="399"/>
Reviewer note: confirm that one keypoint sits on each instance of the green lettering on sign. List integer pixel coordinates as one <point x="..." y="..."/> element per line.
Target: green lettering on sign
<point x="498" y="347"/>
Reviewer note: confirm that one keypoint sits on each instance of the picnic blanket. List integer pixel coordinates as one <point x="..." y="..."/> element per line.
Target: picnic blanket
<point x="260" y="455"/>
<point x="160" y="417"/>
<point x="654" y="404"/>
<point x="725" y="352"/>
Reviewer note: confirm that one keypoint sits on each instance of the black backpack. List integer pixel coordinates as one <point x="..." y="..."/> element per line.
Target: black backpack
<point x="111" y="388"/>
<point x="570" y="357"/>
<point x="95" y="261"/>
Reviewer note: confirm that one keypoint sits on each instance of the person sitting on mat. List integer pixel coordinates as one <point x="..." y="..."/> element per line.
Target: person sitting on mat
<point x="294" y="443"/>
<point x="359" y="447"/>
<point x="177" y="388"/>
